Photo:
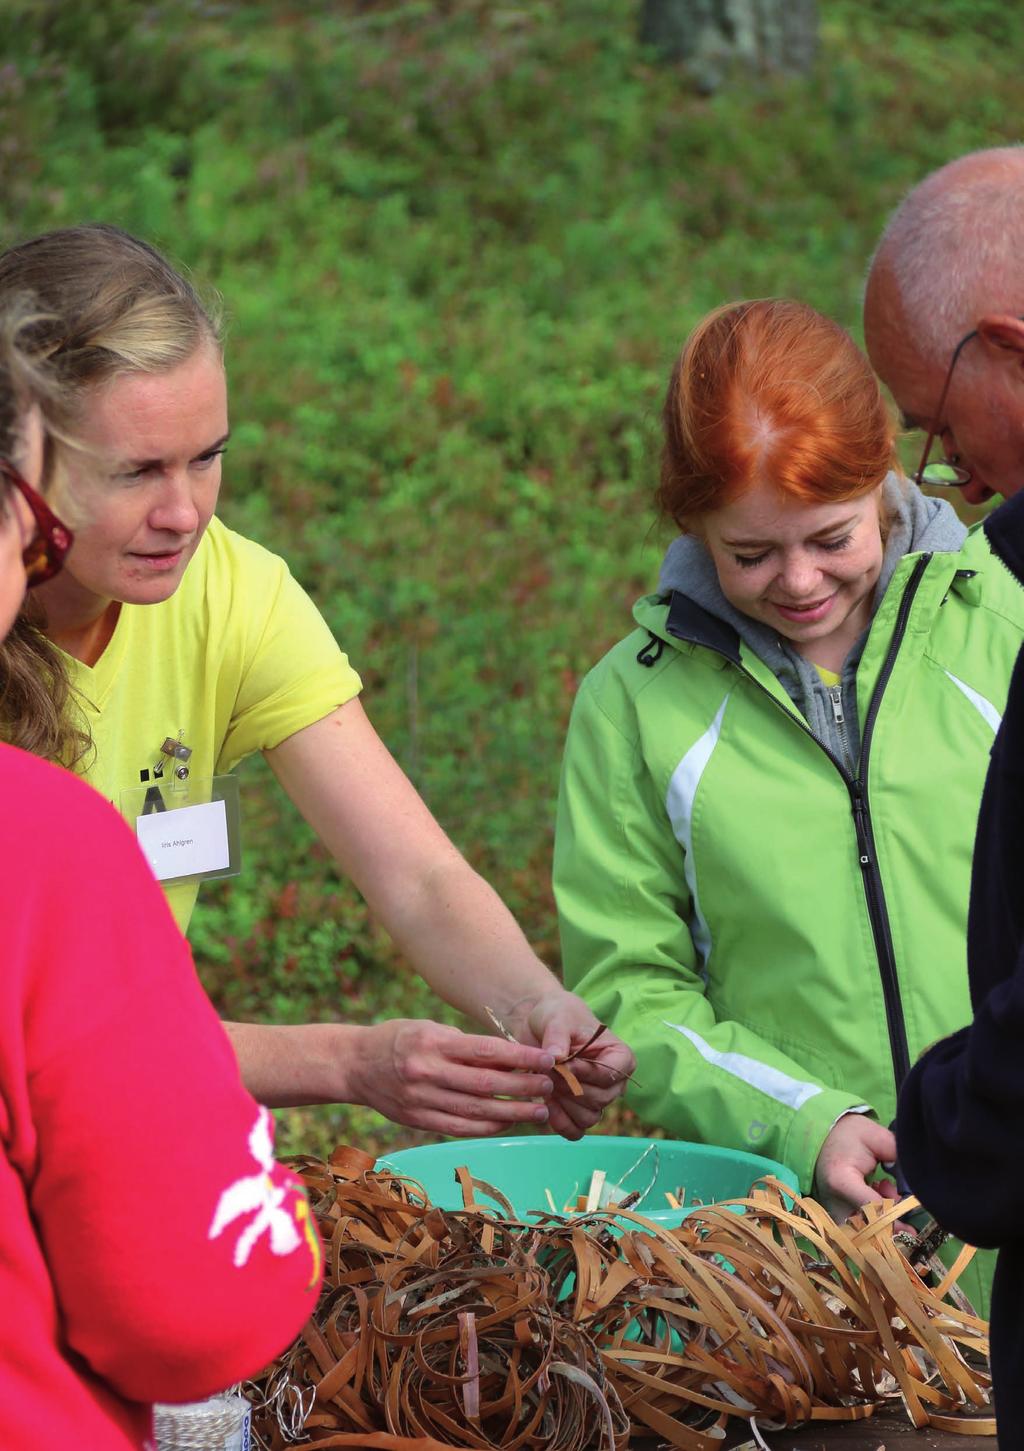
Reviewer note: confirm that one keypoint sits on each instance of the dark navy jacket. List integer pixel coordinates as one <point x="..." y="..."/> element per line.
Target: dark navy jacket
<point x="960" y="1127"/>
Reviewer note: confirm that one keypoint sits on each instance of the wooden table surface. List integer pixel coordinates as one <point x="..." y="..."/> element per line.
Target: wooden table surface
<point x="894" y="1432"/>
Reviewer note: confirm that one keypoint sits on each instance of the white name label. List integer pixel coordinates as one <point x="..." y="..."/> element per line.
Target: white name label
<point x="185" y="841"/>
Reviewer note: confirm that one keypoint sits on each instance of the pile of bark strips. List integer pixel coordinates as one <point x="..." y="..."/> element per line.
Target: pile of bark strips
<point x="462" y="1328"/>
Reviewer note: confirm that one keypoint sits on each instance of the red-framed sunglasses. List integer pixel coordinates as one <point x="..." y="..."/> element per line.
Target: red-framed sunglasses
<point x="44" y="555"/>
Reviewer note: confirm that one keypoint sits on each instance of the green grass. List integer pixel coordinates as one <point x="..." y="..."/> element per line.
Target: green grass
<point x="458" y="246"/>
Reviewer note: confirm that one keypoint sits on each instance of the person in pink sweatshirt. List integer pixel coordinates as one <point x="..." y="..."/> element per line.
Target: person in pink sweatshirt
<point x="150" y="1247"/>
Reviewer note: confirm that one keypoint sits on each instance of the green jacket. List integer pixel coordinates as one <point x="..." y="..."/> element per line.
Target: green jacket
<point x="778" y="939"/>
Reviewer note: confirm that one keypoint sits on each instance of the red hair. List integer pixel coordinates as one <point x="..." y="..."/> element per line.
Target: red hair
<point x="771" y="391"/>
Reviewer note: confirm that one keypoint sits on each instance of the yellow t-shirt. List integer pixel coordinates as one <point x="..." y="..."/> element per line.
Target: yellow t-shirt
<point x="829" y="677"/>
<point x="237" y="660"/>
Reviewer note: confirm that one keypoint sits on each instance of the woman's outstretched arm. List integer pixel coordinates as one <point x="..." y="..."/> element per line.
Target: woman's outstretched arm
<point x="458" y="934"/>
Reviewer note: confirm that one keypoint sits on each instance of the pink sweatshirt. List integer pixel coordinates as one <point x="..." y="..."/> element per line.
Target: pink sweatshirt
<point x="150" y="1248"/>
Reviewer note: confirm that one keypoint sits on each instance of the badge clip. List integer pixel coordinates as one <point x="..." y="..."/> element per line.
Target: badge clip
<point x="174" y="750"/>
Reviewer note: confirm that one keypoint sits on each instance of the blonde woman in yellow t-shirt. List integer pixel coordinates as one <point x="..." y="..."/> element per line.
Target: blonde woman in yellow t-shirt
<point x="170" y="647"/>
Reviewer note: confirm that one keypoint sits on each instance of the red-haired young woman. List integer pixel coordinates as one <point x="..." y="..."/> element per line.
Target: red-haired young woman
<point x="770" y="787"/>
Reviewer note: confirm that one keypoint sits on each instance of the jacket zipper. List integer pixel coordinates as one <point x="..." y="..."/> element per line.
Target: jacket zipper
<point x="873" y="887"/>
<point x="856" y="786"/>
<point x="835" y="695"/>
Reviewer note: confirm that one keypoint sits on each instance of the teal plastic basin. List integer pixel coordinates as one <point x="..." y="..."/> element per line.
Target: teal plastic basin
<point x="523" y="1168"/>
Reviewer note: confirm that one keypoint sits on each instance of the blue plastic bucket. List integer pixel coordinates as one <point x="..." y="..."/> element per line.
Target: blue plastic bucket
<point x="522" y="1169"/>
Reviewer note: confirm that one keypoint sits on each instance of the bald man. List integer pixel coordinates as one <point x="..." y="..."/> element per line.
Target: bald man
<point x="951" y="262"/>
<point x="948" y="280"/>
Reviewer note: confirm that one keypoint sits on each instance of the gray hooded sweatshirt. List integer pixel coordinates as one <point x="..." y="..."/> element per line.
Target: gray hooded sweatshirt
<point x="919" y="524"/>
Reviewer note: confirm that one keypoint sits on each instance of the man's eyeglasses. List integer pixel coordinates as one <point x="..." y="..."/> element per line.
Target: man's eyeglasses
<point x="44" y="555"/>
<point x="943" y="474"/>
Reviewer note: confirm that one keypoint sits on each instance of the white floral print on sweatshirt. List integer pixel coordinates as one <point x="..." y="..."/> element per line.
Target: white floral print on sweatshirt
<point x="269" y="1200"/>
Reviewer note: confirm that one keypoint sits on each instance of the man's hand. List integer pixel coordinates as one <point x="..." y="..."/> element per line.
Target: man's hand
<point x="562" y="1024"/>
<point x="854" y="1149"/>
<point x="430" y="1076"/>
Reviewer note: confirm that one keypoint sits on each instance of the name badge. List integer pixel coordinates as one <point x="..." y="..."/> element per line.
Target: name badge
<point x="187" y="829"/>
<point x="186" y="841"/>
